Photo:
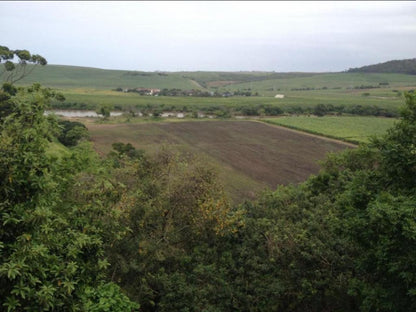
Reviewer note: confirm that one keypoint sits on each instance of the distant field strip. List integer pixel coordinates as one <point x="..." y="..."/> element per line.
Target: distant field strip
<point x="351" y="129"/>
<point x="250" y="155"/>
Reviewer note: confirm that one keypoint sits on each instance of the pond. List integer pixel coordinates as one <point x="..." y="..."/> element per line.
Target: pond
<point x="79" y="113"/>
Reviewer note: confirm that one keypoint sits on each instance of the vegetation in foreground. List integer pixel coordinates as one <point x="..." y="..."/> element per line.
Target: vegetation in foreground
<point x="81" y="234"/>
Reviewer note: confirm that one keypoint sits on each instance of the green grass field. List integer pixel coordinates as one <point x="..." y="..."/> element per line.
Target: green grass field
<point x="351" y="129"/>
<point x="91" y="87"/>
<point x="93" y="98"/>
<point x="268" y="83"/>
<point x="330" y="81"/>
<point x="70" y="77"/>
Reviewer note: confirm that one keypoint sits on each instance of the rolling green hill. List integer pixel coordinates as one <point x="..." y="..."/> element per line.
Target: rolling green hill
<point x="68" y="77"/>
<point x="268" y="83"/>
<point x="396" y="66"/>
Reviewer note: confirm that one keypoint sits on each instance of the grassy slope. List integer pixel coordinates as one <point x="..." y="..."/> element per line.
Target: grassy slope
<point x="67" y="77"/>
<point x="61" y="76"/>
<point x="331" y="80"/>
<point x="352" y="129"/>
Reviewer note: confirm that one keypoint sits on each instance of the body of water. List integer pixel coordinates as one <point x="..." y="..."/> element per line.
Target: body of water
<point x="79" y="113"/>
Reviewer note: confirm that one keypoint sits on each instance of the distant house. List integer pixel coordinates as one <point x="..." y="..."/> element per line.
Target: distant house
<point x="279" y="96"/>
<point x="154" y="91"/>
<point x="147" y="91"/>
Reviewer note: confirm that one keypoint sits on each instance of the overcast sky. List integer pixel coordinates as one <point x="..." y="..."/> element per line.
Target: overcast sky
<point x="216" y="35"/>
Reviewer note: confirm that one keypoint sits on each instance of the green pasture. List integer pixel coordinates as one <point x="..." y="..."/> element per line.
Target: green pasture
<point x="69" y="77"/>
<point x="330" y="81"/>
<point x="353" y="129"/>
<point x="94" y="98"/>
<point x="266" y="83"/>
<point x="88" y="88"/>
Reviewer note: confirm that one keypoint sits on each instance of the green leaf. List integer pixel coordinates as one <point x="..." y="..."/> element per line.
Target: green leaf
<point x="11" y="303"/>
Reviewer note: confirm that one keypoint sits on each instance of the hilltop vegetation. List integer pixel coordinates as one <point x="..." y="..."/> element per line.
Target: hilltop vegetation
<point x="397" y="66"/>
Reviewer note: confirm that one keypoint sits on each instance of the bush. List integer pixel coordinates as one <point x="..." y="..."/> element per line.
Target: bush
<point x="72" y="132"/>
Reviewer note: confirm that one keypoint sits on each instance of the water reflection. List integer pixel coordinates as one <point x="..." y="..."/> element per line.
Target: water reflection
<point x="79" y="113"/>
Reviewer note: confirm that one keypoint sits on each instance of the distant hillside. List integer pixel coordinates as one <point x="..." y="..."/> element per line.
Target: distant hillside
<point x="397" y="66"/>
<point x="266" y="83"/>
<point x="62" y="76"/>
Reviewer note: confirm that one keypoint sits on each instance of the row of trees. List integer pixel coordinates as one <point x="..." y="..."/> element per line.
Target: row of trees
<point x="193" y="92"/>
<point x="246" y="110"/>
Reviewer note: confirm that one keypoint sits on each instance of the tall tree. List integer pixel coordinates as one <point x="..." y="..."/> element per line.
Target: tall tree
<point x="51" y="246"/>
<point x="13" y="72"/>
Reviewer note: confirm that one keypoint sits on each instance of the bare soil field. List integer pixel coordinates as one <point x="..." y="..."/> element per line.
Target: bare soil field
<point x="250" y="155"/>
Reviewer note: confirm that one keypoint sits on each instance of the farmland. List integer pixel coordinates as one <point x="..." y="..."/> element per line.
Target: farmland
<point x="249" y="156"/>
<point x="352" y="129"/>
<point x="350" y="93"/>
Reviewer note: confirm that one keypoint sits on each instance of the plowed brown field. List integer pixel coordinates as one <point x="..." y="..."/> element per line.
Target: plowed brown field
<point x="249" y="155"/>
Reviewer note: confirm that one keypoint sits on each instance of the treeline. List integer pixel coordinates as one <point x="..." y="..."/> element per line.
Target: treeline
<point x="181" y="92"/>
<point x="225" y="111"/>
<point x="396" y="66"/>
<point x="318" y="110"/>
<point x="80" y="233"/>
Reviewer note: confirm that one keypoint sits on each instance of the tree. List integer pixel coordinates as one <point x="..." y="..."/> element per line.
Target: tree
<point x="52" y="235"/>
<point x="72" y="132"/>
<point x="104" y="110"/>
<point x="398" y="148"/>
<point x="14" y="72"/>
<point x="173" y="206"/>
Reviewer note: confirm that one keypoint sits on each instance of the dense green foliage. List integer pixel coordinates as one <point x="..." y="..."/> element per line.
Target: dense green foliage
<point x="53" y="228"/>
<point x="72" y="132"/>
<point x="396" y="66"/>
